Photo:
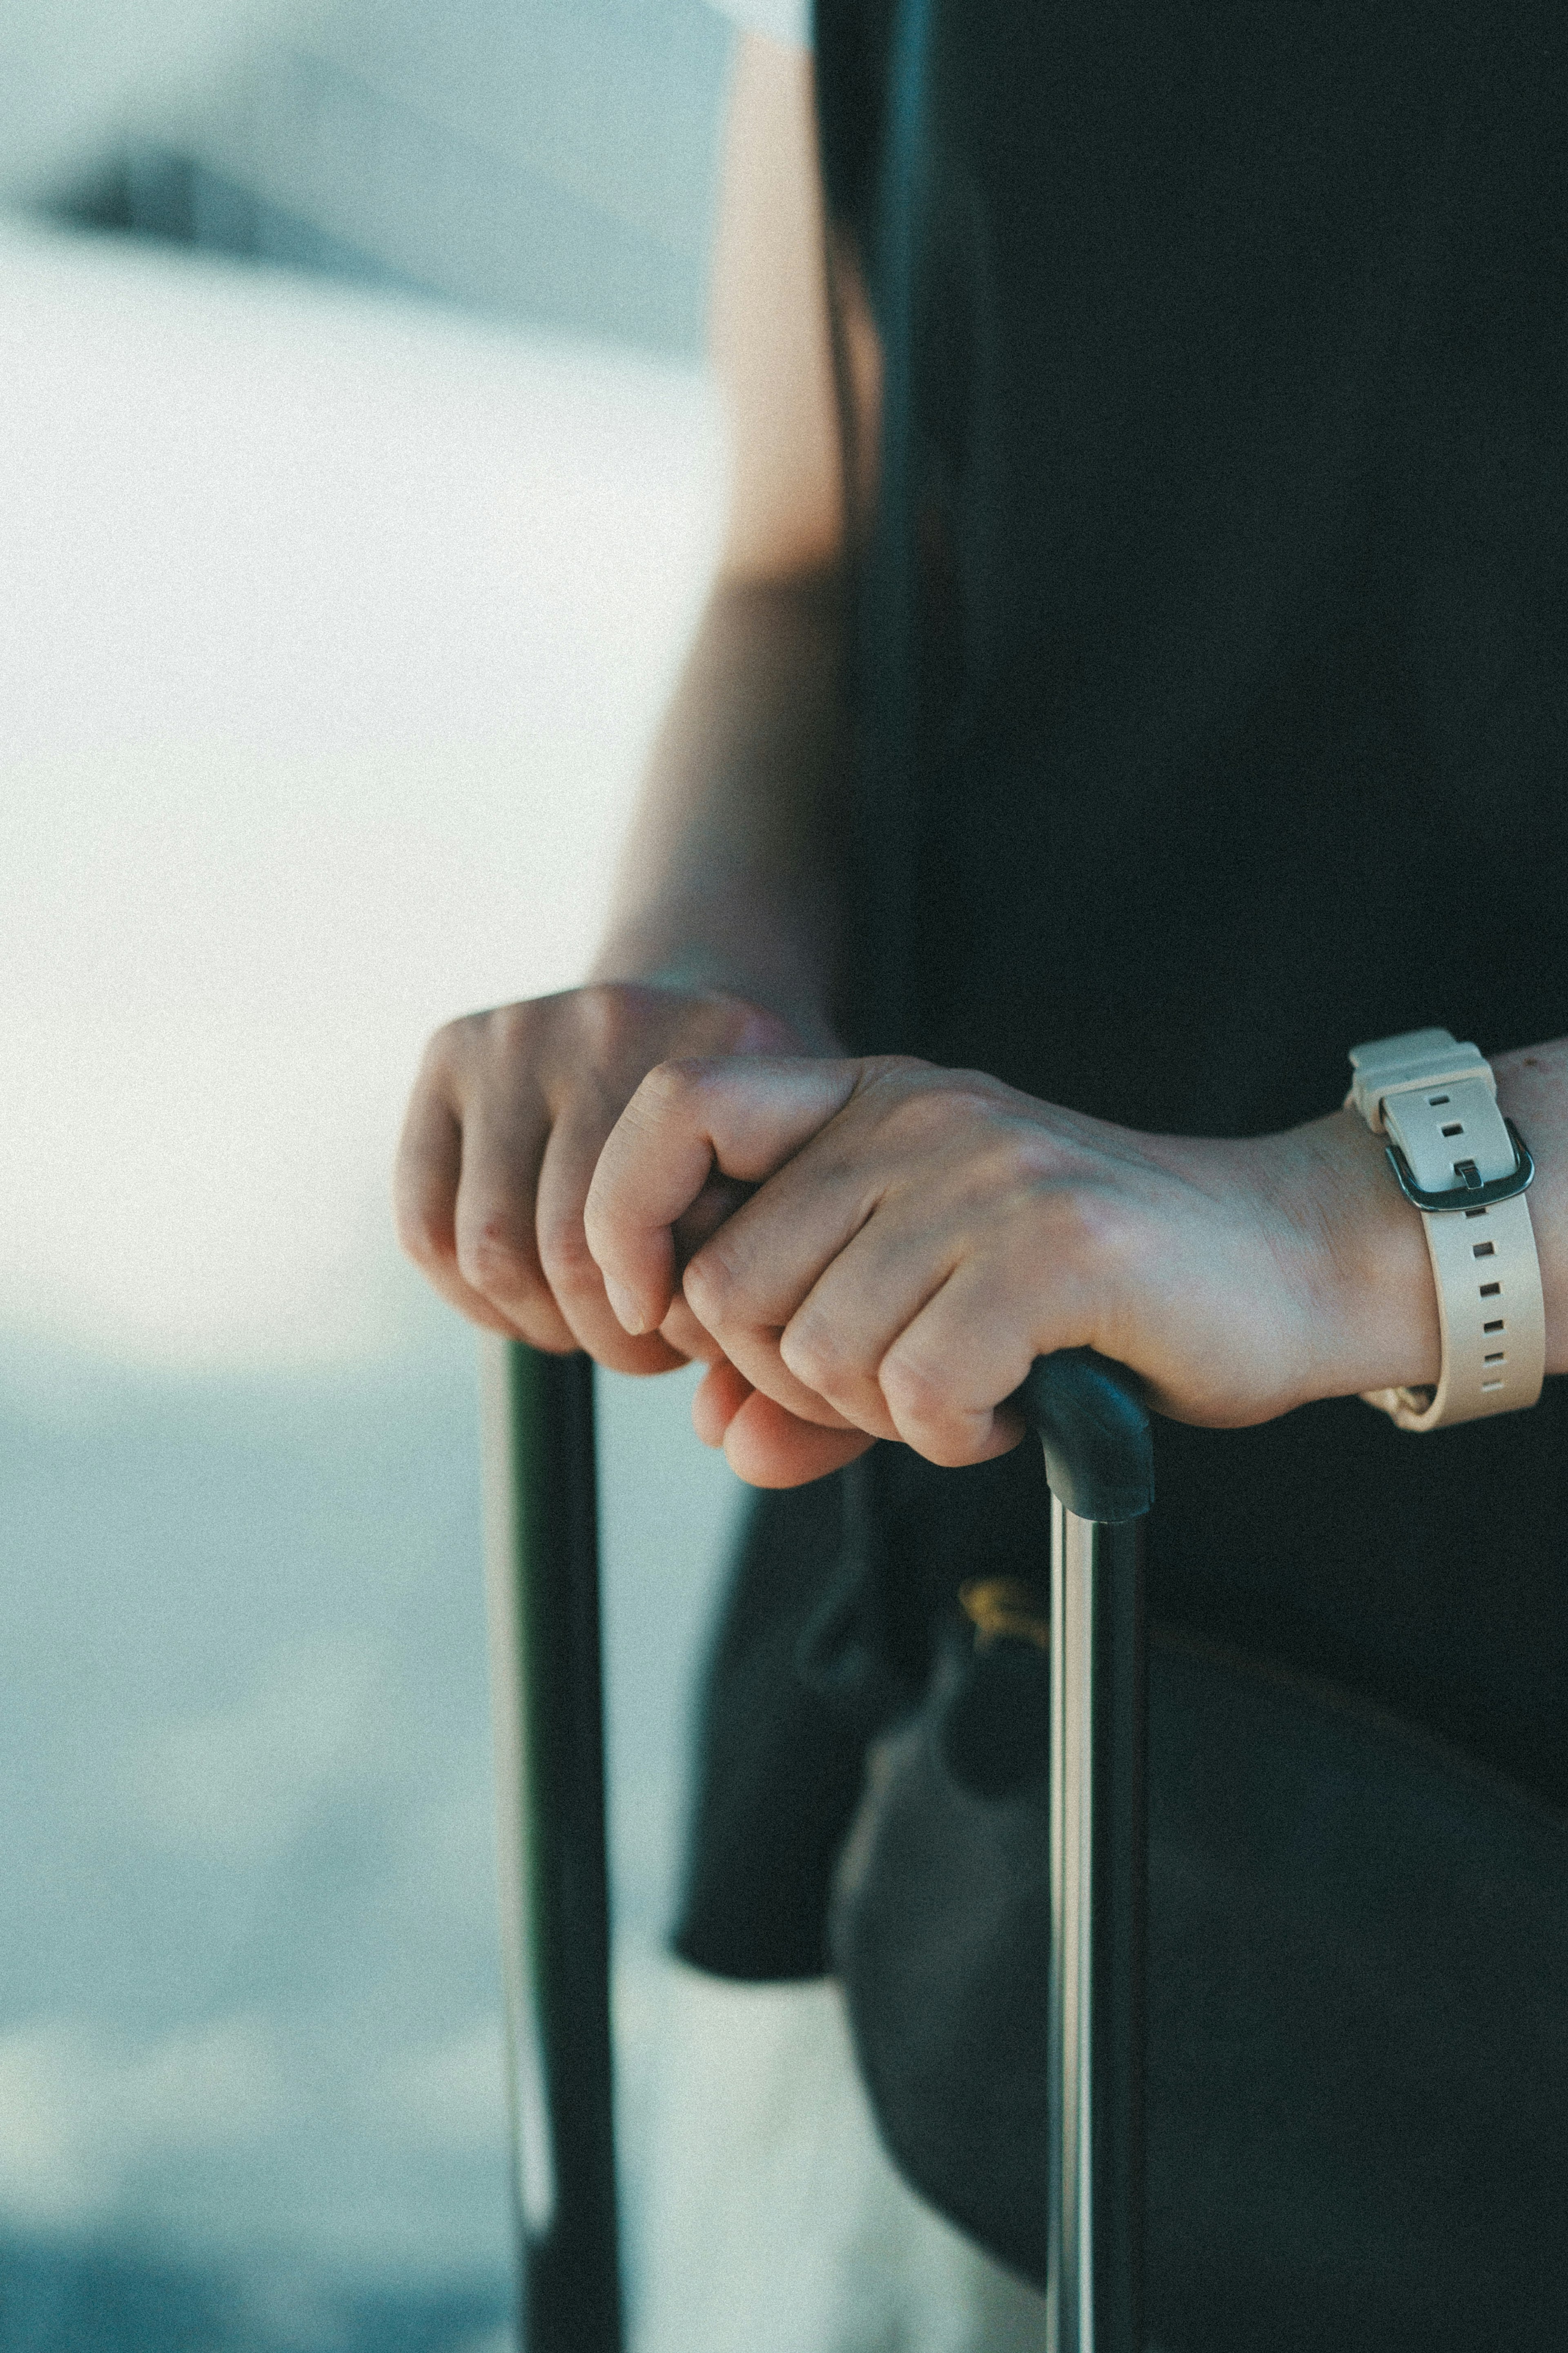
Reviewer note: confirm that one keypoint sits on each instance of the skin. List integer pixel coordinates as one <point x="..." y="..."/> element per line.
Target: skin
<point x="921" y="1233"/>
<point x="725" y="919"/>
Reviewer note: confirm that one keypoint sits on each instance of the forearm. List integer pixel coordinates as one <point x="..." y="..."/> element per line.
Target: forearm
<point x="916" y="1236"/>
<point x="726" y="904"/>
<point x="730" y="875"/>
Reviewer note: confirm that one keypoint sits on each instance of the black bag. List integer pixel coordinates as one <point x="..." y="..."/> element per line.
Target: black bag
<point x="1357" y="2062"/>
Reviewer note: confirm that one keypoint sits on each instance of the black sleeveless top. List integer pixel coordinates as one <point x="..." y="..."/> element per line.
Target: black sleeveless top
<point x="1215" y="716"/>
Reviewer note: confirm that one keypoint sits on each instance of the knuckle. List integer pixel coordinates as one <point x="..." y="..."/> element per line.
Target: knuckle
<point x="928" y="1416"/>
<point x="815" y="1352"/>
<point x="898" y="1072"/>
<point x="494" y="1262"/>
<point x="462" y="1046"/>
<point x="444" y="1048"/>
<point x="916" y="1111"/>
<point x="604" y="1011"/>
<point x="670" y="1088"/>
<point x="1085" y="1230"/>
<point x="596" y="1016"/>
<point x="509" y="1030"/>
<point x="916" y="1391"/>
<point x="466" y="1053"/>
<point x="569" y="1264"/>
<point x="713" y="1291"/>
<point x="924" y="1112"/>
<point x="423" y="1234"/>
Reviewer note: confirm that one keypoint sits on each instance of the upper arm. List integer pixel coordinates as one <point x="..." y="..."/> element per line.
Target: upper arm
<point x="772" y="336"/>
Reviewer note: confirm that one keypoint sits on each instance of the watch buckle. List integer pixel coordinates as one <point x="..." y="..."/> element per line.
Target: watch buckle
<point x="1470" y="1194"/>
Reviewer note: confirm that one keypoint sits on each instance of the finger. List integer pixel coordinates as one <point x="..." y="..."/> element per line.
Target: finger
<point x="947" y="1376"/>
<point x="742" y="1115"/>
<point x="719" y="1201"/>
<point x="769" y="1448"/>
<point x="754" y="1351"/>
<point x="425" y="1199"/>
<point x="764" y="1262"/>
<point x="864" y="1299"/>
<point x="493" y="1226"/>
<point x="576" y="1285"/>
<point x="683" y="1333"/>
<point x="719" y="1396"/>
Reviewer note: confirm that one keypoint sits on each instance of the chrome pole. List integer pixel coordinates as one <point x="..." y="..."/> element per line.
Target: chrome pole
<point x="1096" y="1997"/>
<point x="1098" y="1460"/>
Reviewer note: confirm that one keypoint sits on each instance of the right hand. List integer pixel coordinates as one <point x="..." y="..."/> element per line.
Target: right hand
<point x="504" y="1129"/>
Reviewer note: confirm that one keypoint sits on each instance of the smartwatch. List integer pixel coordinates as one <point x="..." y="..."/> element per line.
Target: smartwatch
<point x="1466" y="1168"/>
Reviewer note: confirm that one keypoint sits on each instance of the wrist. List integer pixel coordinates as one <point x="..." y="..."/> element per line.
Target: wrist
<point x="1367" y="1274"/>
<point x="780" y="987"/>
<point x="1532" y="1091"/>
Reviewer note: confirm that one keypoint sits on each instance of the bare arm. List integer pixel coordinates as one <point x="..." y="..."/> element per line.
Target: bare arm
<point x="730" y="874"/>
<point x="920" y="1235"/>
<point x="725" y="916"/>
<point x="728" y="879"/>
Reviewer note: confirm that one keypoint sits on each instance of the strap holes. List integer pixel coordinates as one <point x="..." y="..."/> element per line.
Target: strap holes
<point x="1498" y="1326"/>
<point x="1489" y="1385"/>
<point x="1483" y="1250"/>
<point x="1475" y="1213"/>
<point x="1497" y="1356"/>
<point x="1433" y="1102"/>
<point x="1455" y="1127"/>
<point x="1490" y="1290"/>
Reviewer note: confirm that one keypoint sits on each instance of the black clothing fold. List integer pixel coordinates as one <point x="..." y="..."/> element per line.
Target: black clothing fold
<point x="1214" y="701"/>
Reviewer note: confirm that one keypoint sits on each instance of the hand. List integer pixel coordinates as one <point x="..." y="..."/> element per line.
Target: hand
<point x="506" y="1119"/>
<point x="922" y="1235"/>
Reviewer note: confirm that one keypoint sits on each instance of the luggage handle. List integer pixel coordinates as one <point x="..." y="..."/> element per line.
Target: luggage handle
<point x="1090" y="1418"/>
<point x="541" y="1575"/>
<point x="1094" y="1428"/>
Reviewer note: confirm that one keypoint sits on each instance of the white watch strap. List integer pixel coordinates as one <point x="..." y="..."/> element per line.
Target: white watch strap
<point x="1436" y="1101"/>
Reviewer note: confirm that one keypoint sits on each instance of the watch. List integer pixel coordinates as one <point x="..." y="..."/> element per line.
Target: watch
<point x="1466" y="1168"/>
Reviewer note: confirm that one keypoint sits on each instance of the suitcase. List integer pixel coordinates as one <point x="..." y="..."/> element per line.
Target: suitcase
<point x="542" y="1587"/>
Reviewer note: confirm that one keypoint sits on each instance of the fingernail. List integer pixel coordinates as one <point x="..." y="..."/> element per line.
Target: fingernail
<point x="628" y="1314"/>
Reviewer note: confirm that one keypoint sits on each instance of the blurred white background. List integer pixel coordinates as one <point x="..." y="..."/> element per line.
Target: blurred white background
<point x="335" y="620"/>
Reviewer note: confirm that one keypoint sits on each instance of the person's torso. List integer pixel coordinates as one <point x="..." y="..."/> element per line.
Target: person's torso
<point x="1228" y="397"/>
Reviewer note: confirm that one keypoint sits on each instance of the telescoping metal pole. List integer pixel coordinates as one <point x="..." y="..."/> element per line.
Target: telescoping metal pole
<point x="542" y="1587"/>
<point x="1099" y="1459"/>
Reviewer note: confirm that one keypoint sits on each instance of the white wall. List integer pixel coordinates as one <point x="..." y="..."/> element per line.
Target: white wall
<point x="334" y="629"/>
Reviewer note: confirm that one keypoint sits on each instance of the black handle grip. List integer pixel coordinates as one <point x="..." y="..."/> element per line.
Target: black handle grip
<point x="1094" y="1427"/>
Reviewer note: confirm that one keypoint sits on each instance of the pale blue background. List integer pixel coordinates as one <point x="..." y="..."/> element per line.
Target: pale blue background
<point x="356" y="521"/>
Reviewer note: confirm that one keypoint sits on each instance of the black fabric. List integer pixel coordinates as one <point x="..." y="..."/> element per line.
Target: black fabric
<point x="1240" y="408"/>
<point x="1358" y="2084"/>
<point x="827" y="1636"/>
<point x="1215" y="716"/>
<point x="780" y="1764"/>
<point x="1331" y="1543"/>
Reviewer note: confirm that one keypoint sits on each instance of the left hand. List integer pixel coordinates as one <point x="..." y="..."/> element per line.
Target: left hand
<point x="922" y="1235"/>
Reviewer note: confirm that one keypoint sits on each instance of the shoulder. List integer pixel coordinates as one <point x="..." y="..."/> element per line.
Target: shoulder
<point x="788" y="21"/>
